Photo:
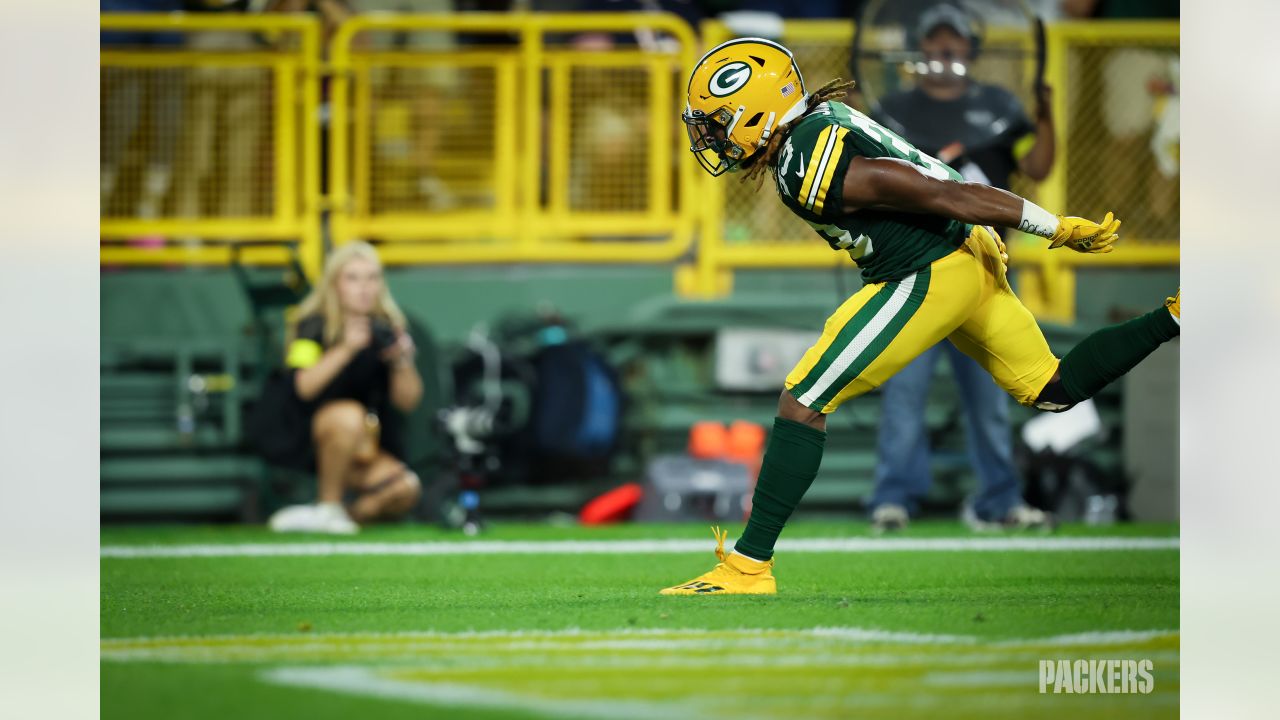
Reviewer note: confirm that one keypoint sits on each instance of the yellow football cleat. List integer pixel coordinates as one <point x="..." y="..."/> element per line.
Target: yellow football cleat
<point x="734" y="575"/>
<point x="1174" y="309"/>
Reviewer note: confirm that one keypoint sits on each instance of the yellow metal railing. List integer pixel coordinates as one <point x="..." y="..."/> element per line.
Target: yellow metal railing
<point x="532" y="152"/>
<point x="744" y="227"/>
<point x="205" y="197"/>
<point x="535" y="150"/>
<point x="1104" y="115"/>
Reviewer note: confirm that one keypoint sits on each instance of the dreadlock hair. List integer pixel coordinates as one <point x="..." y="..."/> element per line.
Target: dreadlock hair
<point x="759" y="163"/>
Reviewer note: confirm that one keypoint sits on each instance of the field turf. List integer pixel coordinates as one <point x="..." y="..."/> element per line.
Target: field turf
<point x="523" y="631"/>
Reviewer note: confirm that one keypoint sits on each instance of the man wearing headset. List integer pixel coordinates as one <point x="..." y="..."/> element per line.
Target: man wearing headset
<point x="982" y="131"/>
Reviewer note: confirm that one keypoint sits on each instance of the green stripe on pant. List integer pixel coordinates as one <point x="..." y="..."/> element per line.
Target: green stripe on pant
<point x="845" y="336"/>
<point x="882" y="340"/>
<point x="863" y="338"/>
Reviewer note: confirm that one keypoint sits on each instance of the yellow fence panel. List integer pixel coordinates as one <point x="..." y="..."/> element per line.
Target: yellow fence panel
<point x="1117" y="112"/>
<point x="498" y="138"/>
<point x="504" y="141"/>
<point x="206" y="138"/>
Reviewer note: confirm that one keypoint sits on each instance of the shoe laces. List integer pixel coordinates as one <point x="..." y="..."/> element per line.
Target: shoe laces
<point x="720" y="536"/>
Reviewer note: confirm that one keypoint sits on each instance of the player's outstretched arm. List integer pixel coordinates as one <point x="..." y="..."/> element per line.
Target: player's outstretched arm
<point x="887" y="183"/>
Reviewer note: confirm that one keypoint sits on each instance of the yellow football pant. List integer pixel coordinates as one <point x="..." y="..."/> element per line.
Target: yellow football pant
<point x="964" y="297"/>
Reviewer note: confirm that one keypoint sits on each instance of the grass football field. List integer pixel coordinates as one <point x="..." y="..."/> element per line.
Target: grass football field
<point x="546" y="622"/>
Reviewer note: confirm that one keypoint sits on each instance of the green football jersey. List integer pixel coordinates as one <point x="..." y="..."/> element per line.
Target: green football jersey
<point x="887" y="245"/>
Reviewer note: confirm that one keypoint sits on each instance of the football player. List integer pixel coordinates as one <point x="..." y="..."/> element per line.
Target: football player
<point x="932" y="266"/>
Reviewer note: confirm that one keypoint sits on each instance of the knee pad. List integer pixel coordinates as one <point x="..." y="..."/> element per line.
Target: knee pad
<point x="1053" y="398"/>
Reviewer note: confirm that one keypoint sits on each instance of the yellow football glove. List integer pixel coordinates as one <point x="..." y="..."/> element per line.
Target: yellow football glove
<point x="1086" y="236"/>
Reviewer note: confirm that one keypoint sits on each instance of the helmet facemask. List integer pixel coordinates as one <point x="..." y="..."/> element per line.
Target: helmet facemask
<point x="709" y="140"/>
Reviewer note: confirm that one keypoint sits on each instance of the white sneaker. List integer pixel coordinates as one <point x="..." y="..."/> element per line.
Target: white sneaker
<point x="294" y="518"/>
<point x="328" y="518"/>
<point x="1019" y="517"/>
<point x="1025" y="517"/>
<point x="889" y="517"/>
<point x="335" y="520"/>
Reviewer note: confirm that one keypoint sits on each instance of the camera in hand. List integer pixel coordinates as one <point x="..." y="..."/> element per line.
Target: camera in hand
<point x="384" y="335"/>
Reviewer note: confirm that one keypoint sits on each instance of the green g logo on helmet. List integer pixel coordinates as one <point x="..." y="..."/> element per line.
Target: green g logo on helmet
<point x="729" y="79"/>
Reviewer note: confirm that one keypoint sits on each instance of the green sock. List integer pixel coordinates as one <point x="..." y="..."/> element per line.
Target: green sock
<point x="789" y="467"/>
<point x="1113" y="351"/>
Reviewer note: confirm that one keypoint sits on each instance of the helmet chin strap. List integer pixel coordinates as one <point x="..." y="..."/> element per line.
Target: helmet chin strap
<point x="734" y="122"/>
<point x="768" y="129"/>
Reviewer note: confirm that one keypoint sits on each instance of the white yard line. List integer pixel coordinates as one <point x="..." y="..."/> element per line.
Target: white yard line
<point x="632" y="547"/>
<point x="1111" y="637"/>
<point x="365" y="682"/>
<point x="579" y="637"/>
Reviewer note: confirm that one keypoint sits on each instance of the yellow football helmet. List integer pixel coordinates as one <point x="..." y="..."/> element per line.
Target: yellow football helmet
<point x="738" y="93"/>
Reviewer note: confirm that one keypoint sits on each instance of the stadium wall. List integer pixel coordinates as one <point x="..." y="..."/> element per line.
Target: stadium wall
<point x="150" y="469"/>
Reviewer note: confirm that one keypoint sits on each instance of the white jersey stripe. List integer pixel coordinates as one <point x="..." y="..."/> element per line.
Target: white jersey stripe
<point x="822" y="167"/>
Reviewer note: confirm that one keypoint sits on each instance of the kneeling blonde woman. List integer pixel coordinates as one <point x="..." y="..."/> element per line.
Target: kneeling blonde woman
<point x="351" y="363"/>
